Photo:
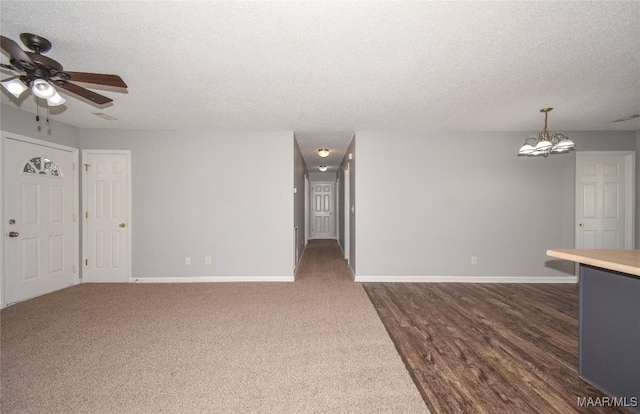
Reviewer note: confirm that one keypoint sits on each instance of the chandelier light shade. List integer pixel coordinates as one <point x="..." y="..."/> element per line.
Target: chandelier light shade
<point x="15" y="86"/>
<point x="322" y="168"/>
<point x="545" y="143"/>
<point x="323" y="152"/>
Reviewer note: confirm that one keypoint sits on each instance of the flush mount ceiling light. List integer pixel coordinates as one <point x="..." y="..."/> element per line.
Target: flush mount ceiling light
<point x="322" y="168"/>
<point x="545" y="143"/>
<point x="323" y="152"/>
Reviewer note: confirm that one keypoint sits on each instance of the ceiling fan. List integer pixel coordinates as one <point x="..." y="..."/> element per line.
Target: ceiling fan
<point x="41" y="73"/>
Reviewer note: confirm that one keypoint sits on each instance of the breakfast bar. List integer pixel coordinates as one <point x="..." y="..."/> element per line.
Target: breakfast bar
<point x="609" y="321"/>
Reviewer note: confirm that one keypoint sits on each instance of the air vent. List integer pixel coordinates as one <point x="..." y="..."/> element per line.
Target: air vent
<point x="627" y="118"/>
<point x="104" y="116"/>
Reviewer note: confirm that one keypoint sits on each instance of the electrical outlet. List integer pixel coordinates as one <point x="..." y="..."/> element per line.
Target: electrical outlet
<point x="187" y="260"/>
<point x="207" y="260"/>
<point x="474" y="260"/>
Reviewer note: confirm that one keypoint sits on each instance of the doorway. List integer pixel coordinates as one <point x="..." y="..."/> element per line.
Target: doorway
<point x="321" y="212"/>
<point x="347" y="214"/>
<point x="40" y="192"/>
<point x="106" y="215"/>
<point x="605" y="199"/>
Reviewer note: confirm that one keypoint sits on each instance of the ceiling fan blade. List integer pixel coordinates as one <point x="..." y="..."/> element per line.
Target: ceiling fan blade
<point x="17" y="54"/>
<point x="9" y="67"/>
<point x="83" y="92"/>
<point x="94" y="78"/>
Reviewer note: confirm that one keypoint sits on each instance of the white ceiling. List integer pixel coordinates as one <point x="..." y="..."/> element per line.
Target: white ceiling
<point x="326" y="69"/>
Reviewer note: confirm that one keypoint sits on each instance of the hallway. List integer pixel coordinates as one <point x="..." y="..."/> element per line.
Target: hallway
<point x="323" y="261"/>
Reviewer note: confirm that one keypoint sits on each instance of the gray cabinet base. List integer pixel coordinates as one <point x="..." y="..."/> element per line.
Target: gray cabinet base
<point x="609" y="350"/>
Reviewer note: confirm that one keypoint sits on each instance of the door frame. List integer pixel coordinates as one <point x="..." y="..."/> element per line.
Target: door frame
<point x="629" y="193"/>
<point x="85" y="203"/>
<point x="77" y="275"/>
<point x="347" y="214"/>
<point x="306" y="210"/>
<point x="336" y="207"/>
<point x="332" y="214"/>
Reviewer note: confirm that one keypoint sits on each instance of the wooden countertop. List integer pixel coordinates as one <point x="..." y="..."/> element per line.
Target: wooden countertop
<point x="625" y="261"/>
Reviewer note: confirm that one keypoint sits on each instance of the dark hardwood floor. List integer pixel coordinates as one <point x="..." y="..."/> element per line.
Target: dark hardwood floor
<point x="488" y="348"/>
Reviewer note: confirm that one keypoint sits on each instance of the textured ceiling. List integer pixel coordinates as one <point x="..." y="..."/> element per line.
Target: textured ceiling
<point x="322" y="67"/>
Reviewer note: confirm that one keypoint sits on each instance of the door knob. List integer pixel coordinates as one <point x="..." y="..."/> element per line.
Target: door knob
<point x="122" y="225"/>
<point x="581" y="224"/>
<point x="13" y="234"/>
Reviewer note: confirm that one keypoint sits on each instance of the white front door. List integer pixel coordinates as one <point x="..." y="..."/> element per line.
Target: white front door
<point x="322" y="226"/>
<point x="40" y="245"/>
<point x="604" y="200"/>
<point x="106" y="215"/>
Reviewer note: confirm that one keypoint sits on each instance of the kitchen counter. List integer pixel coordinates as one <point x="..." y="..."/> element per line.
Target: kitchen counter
<point x="625" y="261"/>
<point x="609" y="321"/>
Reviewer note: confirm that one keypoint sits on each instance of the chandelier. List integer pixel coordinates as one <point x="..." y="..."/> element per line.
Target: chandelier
<point x="545" y="143"/>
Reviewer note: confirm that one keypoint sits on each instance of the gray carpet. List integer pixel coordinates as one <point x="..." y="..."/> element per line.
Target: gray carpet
<point x="313" y="346"/>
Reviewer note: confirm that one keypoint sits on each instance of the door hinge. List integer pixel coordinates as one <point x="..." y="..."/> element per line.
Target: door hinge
<point x="86" y="167"/>
<point x="86" y="262"/>
<point x="86" y="214"/>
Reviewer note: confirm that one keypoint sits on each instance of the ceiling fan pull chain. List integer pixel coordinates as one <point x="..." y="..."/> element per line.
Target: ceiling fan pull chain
<point x="47" y="113"/>
<point x="37" y="111"/>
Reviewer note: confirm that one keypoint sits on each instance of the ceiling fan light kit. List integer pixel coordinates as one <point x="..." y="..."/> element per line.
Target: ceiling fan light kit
<point x="545" y="143"/>
<point x="56" y="100"/>
<point x="42" y="89"/>
<point x="15" y="86"/>
<point x="42" y="74"/>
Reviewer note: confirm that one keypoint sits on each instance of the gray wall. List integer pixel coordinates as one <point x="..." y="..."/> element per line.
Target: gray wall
<point x="299" y="172"/>
<point x="425" y="213"/>
<point x="322" y="176"/>
<point x="637" y="189"/>
<point x="201" y="193"/>
<point x="444" y="197"/>
<point x="24" y="123"/>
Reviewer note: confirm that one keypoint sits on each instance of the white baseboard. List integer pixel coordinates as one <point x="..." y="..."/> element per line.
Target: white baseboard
<point x="368" y="279"/>
<point x="468" y="279"/>
<point x="209" y="279"/>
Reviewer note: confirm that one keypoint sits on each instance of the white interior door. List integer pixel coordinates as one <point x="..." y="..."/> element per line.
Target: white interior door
<point x="107" y="215"/>
<point x="40" y="196"/>
<point x="322" y="226"/>
<point x="605" y="200"/>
